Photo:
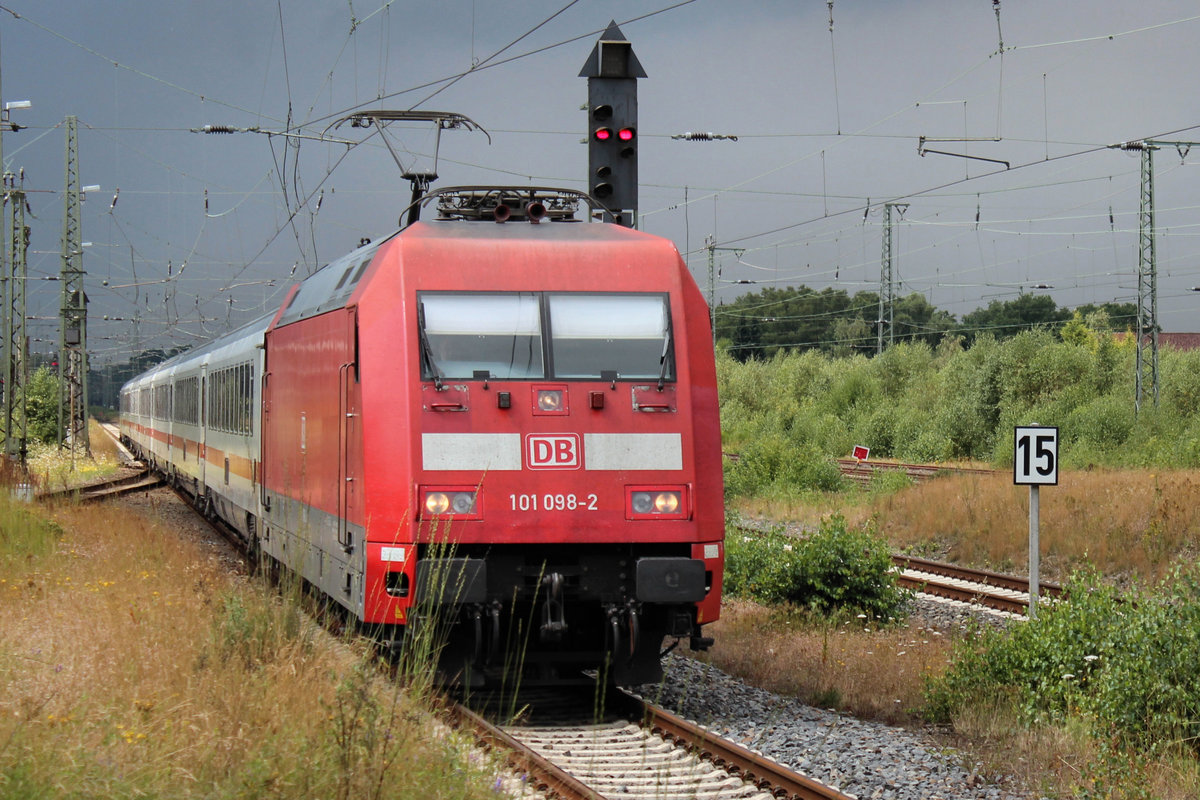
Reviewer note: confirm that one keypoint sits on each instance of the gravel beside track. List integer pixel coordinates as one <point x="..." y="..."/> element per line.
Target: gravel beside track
<point x="859" y="758"/>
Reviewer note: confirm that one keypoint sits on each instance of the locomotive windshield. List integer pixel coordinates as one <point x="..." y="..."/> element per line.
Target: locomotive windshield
<point x="500" y="333"/>
<point x="533" y="335"/>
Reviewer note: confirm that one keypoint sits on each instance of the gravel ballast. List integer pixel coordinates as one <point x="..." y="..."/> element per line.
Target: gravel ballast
<point x="860" y="758"/>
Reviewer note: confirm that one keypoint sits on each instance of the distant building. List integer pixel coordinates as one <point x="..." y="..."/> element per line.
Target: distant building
<point x="1180" y="341"/>
<point x="1177" y="341"/>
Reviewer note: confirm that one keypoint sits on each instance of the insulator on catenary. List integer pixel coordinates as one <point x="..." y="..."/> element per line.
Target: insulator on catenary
<point x="702" y="136"/>
<point x="218" y="129"/>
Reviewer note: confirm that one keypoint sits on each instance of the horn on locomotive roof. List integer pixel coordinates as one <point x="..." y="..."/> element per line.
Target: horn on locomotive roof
<point x="535" y="211"/>
<point x="420" y="180"/>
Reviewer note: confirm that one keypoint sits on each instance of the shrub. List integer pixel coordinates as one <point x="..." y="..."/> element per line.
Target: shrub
<point x="771" y="463"/>
<point x="1180" y="377"/>
<point x="1124" y="661"/>
<point x="1106" y="422"/>
<point x="833" y="568"/>
<point x="41" y="406"/>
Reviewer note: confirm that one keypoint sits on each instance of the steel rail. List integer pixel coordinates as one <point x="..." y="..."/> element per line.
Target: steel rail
<point x="545" y="776"/>
<point x="979" y="593"/>
<point x="863" y="471"/>
<point x="973" y="596"/>
<point x="113" y="487"/>
<point x="998" y="579"/>
<point x="764" y="773"/>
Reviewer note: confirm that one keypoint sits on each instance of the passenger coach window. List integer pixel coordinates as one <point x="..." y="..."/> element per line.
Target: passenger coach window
<point x="628" y="334"/>
<point x="465" y="333"/>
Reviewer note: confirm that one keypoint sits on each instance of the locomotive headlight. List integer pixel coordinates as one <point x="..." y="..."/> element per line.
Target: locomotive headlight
<point x="450" y="502"/>
<point x="666" y="502"/>
<point x="462" y="502"/>
<point x="549" y="400"/>
<point x="437" y="502"/>
<point x="655" y="503"/>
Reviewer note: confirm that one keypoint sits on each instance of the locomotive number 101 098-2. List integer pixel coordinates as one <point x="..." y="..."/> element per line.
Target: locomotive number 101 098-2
<point x="553" y="502"/>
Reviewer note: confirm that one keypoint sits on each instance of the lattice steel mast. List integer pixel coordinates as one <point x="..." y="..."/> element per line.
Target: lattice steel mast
<point x="72" y="397"/>
<point x="16" y="374"/>
<point x="885" y="325"/>
<point x="1147" y="300"/>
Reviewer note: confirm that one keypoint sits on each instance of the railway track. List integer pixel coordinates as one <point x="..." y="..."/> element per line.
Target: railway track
<point x="135" y="477"/>
<point x="632" y="750"/>
<point x="139" y="480"/>
<point x="863" y="471"/>
<point x="994" y="590"/>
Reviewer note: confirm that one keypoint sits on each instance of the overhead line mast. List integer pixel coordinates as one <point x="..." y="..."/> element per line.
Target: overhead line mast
<point x="885" y="325"/>
<point x="72" y="359"/>
<point x="16" y="374"/>
<point x="1147" y="301"/>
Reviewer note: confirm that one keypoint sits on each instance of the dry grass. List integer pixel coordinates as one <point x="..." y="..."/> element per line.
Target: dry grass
<point x="872" y="673"/>
<point x="133" y="662"/>
<point x="1129" y="524"/>
<point x="1070" y="761"/>
<point x="53" y="468"/>
<point x="1126" y="523"/>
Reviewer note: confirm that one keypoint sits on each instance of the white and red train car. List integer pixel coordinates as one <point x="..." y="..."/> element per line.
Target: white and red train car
<point x="513" y="425"/>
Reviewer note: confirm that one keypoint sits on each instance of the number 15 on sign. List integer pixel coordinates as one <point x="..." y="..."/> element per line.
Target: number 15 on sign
<point x="1035" y="463"/>
<point x="1035" y="456"/>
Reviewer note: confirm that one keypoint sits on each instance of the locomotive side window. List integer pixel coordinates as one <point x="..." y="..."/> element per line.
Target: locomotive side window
<point x="467" y="333"/>
<point x="628" y="334"/>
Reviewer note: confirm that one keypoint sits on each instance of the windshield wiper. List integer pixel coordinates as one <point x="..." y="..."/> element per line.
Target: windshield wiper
<point x="427" y="351"/>
<point x="662" y="373"/>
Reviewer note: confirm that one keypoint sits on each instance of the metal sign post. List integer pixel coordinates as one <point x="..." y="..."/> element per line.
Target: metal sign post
<point x="1035" y="463"/>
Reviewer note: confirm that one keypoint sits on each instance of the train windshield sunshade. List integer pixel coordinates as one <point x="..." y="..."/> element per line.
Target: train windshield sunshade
<point x="590" y="335"/>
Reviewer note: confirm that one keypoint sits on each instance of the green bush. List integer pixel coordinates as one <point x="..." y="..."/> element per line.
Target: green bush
<point x="1105" y="422"/>
<point x="1125" y="662"/>
<point x="774" y="465"/>
<point x="41" y="406"/>
<point x="834" y="568"/>
<point x="908" y="403"/>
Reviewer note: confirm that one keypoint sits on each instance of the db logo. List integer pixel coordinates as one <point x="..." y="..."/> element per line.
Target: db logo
<point x="552" y="451"/>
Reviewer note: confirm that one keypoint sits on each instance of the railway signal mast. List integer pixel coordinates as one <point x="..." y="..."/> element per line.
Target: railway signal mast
<point x="612" y="71"/>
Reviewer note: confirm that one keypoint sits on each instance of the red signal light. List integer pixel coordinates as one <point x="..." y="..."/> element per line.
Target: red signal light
<point x="626" y="134"/>
<point x="603" y="134"/>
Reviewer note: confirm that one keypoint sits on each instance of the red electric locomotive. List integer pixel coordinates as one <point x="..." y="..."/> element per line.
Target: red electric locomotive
<point x="504" y="417"/>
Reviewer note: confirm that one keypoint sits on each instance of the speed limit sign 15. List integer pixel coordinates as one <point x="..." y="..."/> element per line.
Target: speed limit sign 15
<point x="1035" y="456"/>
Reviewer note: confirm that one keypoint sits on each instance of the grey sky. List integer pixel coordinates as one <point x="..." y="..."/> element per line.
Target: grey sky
<point x="819" y="151"/>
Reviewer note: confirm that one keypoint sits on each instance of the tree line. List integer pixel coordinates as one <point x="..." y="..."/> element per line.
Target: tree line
<point x="761" y="324"/>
